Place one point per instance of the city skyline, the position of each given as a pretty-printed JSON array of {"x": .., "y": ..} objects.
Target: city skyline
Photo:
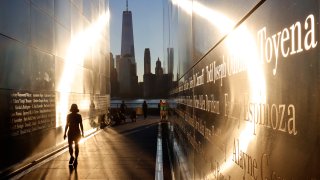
[{"x": 147, "y": 30}]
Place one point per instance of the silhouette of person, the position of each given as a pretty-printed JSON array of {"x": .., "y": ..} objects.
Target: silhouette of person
[
  {"x": 145, "y": 109},
  {"x": 74, "y": 132},
  {"x": 163, "y": 109},
  {"x": 123, "y": 107}
]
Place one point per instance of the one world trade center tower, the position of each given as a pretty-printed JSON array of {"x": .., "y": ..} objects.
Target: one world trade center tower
[
  {"x": 127, "y": 43},
  {"x": 128, "y": 79}
]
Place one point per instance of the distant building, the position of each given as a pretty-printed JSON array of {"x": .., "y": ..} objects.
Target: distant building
[
  {"x": 113, "y": 78},
  {"x": 147, "y": 61},
  {"x": 118, "y": 63},
  {"x": 170, "y": 60},
  {"x": 127, "y": 70},
  {"x": 127, "y": 43},
  {"x": 148, "y": 85},
  {"x": 127, "y": 77},
  {"x": 140, "y": 89},
  {"x": 157, "y": 85},
  {"x": 133, "y": 80},
  {"x": 158, "y": 69},
  {"x": 111, "y": 61}
]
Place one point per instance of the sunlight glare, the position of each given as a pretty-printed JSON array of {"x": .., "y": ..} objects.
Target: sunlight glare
[
  {"x": 78, "y": 49},
  {"x": 240, "y": 43}
]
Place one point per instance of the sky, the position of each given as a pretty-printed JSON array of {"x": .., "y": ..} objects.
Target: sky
[{"x": 147, "y": 29}]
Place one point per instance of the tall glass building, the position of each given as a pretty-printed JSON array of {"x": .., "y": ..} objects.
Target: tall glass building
[
  {"x": 53, "y": 53},
  {"x": 128, "y": 79},
  {"x": 127, "y": 41},
  {"x": 248, "y": 96}
]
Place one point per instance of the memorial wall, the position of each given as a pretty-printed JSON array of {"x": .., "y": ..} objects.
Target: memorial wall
[
  {"x": 52, "y": 54},
  {"x": 248, "y": 97}
]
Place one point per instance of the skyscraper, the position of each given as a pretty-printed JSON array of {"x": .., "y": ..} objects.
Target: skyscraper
[
  {"x": 118, "y": 57},
  {"x": 127, "y": 43},
  {"x": 113, "y": 77},
  {"x": 170, "y": 60},
  {"x": 128, "y": 79},
  {"x": 158, "y": 69},
  {"x": 147, "y": 59},
  {"x": 111, "y": 61}
]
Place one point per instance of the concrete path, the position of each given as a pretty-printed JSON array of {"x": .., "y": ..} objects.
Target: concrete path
[{"x": 126, "y": 151}]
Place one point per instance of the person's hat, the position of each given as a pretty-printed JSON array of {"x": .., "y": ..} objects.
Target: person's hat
[{"x": 74, "y": 108}]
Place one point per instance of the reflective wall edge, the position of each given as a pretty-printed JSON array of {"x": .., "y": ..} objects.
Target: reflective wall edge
[
  {"x": 248, "y": 97},
  {"x": 52, "y": 54}
]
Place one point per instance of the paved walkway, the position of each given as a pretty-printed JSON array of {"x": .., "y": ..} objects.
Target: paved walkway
[{"x": 126, "y": 151}]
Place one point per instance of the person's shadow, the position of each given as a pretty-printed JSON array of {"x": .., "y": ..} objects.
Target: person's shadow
[{"x": 73, "y": 171}]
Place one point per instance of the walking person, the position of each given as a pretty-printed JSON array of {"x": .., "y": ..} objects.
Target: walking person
[
  {"x": 145, "y": 109},
  {"x": 74, "y": 127},
  {"x": 163, "y": 110}
]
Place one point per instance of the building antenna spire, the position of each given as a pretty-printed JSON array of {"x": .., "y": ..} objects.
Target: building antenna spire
[{"x": 127, "y": 5}]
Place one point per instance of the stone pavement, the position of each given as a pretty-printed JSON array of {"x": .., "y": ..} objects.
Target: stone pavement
[{"x": 127, "y": 151}]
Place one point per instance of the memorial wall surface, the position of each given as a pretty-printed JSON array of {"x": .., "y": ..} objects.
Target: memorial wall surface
[
  {"x": 52, "y": 54},
  {"x": 248, "y": 97}
]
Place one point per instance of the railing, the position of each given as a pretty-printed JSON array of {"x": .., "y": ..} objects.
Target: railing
[
  {"x": 133, "y": 105},
  {"x": 153, "y": 105}
]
